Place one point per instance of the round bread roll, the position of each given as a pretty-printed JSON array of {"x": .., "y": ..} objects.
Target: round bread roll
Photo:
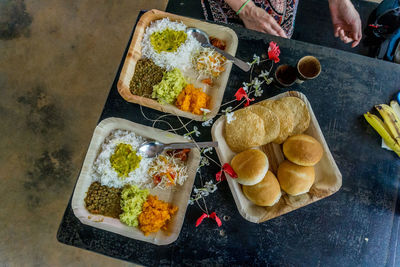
[
  {"x": 265, "y": 193},
  {"x": 301, "y": 115},
  {"x": 294, "y": 179},
  {"x": 303, "y": 150},
  {"x": 250, "y": 166},
  {"x": 285, "y": 116},
  {"x": 271, "y": 122}
]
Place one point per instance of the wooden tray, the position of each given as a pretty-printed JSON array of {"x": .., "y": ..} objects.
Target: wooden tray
[
  {"x": 179, "y": 196},
  {"x": 216, "y": 92},
  {"x": 328, "y": 178}
]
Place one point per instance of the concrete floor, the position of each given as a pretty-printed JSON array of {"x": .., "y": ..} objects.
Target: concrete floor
[{"x": 57, "y": 62}]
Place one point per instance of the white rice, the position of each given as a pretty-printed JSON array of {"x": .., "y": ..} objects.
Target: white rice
[
  {"x": 182, "y": 58},
  {"x": 104, "y": 173}
]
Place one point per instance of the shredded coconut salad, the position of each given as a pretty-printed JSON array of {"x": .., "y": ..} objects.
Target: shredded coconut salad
[{"x": 167, "y": 171}]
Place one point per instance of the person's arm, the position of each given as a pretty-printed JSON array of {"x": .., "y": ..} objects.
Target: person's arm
[
  {"x": 346, "y": 21},
  {"x": 256, "y": 18}
]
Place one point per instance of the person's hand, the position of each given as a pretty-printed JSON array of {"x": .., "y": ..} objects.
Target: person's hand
[
  {"x": 346, "y": 21},
  {"x": 258, "y": 19}
]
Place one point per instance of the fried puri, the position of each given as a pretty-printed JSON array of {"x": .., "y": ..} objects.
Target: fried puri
[
  {"x": 285, "y": 116},
  {"x": 271, "y": 122},
  {"x": 245, "y": 131},
  {"x": 300, "y": 112}
]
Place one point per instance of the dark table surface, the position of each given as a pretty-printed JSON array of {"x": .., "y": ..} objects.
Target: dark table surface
[{"x": 359, "y": 225}]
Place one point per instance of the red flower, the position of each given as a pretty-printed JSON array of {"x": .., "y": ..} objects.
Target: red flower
[
  {"x": 273, "y": 52},
  {"x": 229, "y": 170},
  {"x": 242, "y": 93},
  {"x": 220, "y": 176},
  {"x": 212, "y": 216},
  {"x": 226, "y": 168}
]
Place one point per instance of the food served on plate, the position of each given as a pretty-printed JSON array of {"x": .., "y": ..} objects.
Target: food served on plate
[
  {"x": 168, "y": 169},
  {"x": 183, "y": 49},
  {"x": 284, "y": 115},
  {"x": 147, "y": 74},
  {"x": 155, "y": 215},
  {"x": 265, "y": 193},
  {"x": 209, "y": 63},
  {"x": 103, "y": 170},
  {"x": 193, "y": 99},
  {"x": 121, "y": 179},
  {"x": 295, "y": 179},
  {"x": 250, "y": 166},
  {"x": 132, "y": 199},
  {"x": 118, "y": 163},
  {"x": 271, "y": 122},
  {"x": 303, "y": 150},
  {"x": 169, "y": 88},
  {"x": 245, "y": 131},
  {"x": 221, "y": 44},
  {"x": 103, "y": 200},
  {"x": 279, "y": 119},
  {"x": 171, "y": 61},
  {"x": 167, "y": 40},
  {"x": 301, "y": 115}
]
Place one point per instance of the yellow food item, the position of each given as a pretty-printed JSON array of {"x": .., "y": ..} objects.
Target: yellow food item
[
  {"x": 192, "y": 99},
  {"x": 167, "y": 40},
  {"x": 124, "y": 160},
  {"x": 155, "y": 215}
]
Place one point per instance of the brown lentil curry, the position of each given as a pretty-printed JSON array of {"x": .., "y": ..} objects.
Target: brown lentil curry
[
  {"x": 147, "y": 74},
  {"x": 103, "y": 200}
]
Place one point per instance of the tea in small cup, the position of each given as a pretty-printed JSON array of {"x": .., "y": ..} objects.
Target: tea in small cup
[
  {"x": 285, "y": 75},
  {"x": 308, "y": 68}
]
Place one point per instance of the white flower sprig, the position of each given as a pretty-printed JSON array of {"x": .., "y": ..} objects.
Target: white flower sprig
[
  {"x": 256, "y": 60},
  {"x": 207, "y": 123},
  {"x": 205, "y": 112},
  {"x": 189, "y": 134},
  {"x": 209, "y": 188},
  {"x": 230, "y": 117}
]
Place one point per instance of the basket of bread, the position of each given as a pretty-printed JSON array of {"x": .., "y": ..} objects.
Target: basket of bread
[{"x": 279, "y": 154}]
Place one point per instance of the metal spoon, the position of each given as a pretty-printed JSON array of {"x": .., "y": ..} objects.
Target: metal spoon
[
  {"x": 153, "y": 148},
  {"x": 203, "y": 39}
]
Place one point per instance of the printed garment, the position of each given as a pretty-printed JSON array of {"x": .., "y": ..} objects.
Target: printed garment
[{"x": 284, "y": 12}]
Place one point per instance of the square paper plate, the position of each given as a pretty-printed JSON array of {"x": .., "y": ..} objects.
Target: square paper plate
[
  {"x": 179, "y": 196},
  {"x": 216, "y": 92},
  {"x": 328, "y": 178}
]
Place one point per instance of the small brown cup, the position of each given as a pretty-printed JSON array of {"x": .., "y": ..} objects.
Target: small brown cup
[
  {"x": 308, "y": 68},
  {"x": 285, "y": 76}
]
